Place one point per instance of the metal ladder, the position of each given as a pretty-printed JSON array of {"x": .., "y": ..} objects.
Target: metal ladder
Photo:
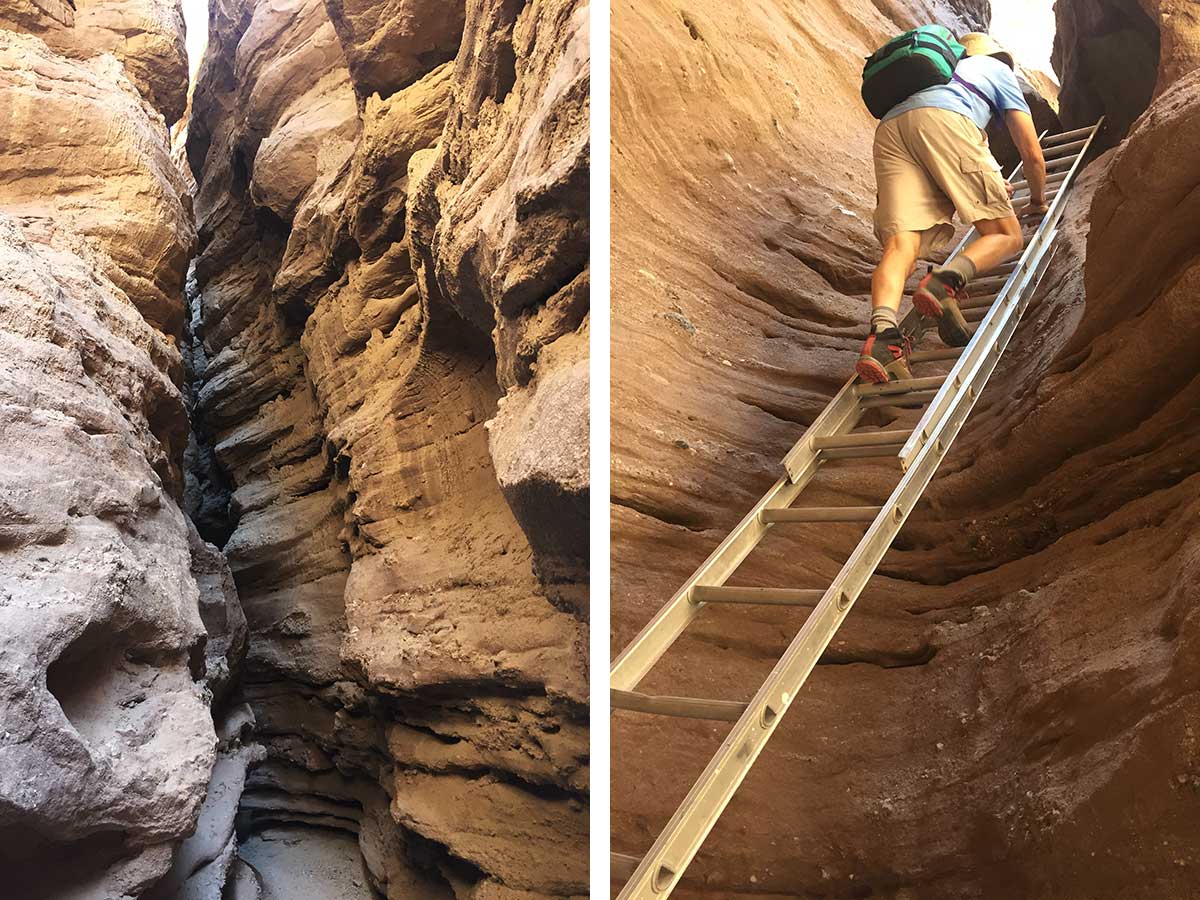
[{"x": 950, "y": 399}]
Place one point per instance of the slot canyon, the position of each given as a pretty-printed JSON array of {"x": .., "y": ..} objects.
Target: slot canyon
[
  {"x": 293, "y": 450},
  {"x": 1010, "y": 709}
]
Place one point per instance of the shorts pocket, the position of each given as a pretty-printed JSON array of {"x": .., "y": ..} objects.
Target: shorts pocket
[{"x": 985, "y": 171}]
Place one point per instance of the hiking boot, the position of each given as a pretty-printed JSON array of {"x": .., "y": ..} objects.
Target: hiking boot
[
  {"x": 937, "y": 297},
  {"x": 884, "y": 357}
]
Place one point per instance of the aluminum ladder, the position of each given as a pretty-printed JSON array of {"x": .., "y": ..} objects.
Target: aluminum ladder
[{"x": 949, "y": 400}]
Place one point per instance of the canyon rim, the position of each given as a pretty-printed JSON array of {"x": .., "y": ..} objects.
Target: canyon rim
[
  {"x": 293, "y": 460},
  {"x": 1010, "y": 709}
]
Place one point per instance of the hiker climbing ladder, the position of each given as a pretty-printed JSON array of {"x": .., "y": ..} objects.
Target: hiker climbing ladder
[{"x": 949, "y": 400}]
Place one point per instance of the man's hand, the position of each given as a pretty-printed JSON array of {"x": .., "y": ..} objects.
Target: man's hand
[{"x": 1011, "y": 190}]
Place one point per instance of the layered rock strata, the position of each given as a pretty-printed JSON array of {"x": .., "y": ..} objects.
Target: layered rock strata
[
  {"x": 389, "y": 331},
  {"x": 1010, "y": 708}
]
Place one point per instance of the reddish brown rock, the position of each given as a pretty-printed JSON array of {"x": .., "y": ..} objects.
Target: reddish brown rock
[{"x": 1009, "y": 710}]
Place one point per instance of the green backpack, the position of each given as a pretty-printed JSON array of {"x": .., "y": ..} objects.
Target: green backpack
[{"x": 909, "y": 63}]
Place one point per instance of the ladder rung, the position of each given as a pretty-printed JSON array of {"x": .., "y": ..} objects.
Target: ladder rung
[
  {"x": 683, "y": 707},
  {"x": 1062, "y": 137},
  {"x": 990, "y": 281},
  {"x": 909, "y": 401},
  {"x": 1024, "y": 195},
  {"x": 1057, "y": 178},
  {"x": 901, "y": 387},
  {"x": 976, "y": 314},
  {"x": 981, "y": 302},
  {"x": 1060, "y": 149},
  {"x": 665, "y": 863},
  {"x": 1055, "y": 165},
  {"x": 865, "y": 439},
  {"x": 821, "y": 513},
  {"x": 863, "y": 452},
  {"x": 936, "y": 355},
  {"x": 764, "y": 596}
]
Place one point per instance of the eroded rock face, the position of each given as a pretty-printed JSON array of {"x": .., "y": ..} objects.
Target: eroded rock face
[
  {"x": 120, "y": 625},
  {"x": 390, "y": 45},
  {"x": 390, "y": 203},
  {"x": 108, "y": 739},
  {"x": 500, "y": 233},
  {"x": 1113, "y": 56},
  {"x": 64, "y": 110},
  {"x": 1009, "y": 710},
  {"x": 146, "y": 37}
]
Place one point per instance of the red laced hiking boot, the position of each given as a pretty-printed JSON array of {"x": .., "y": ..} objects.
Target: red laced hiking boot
[
  {"x": 884, "y": 357},
  {"x": 937, "y": 297}
]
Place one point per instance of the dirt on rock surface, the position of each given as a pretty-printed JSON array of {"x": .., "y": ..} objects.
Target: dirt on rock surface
[{"x": 1010, "y": 709}]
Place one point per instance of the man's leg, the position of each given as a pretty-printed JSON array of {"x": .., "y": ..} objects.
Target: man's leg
[
  {"x": 998, "y": 240},
  {"x": 937, "y": 295},
  {"x": 899, "y": 260},
  {"x": 884, "y": 355}
]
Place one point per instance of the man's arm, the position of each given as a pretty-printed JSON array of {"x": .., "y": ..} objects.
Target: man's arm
[{"x": 1024, "y": 135}]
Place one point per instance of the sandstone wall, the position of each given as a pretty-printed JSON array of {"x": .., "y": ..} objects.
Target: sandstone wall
[
  {"x": 1009, "y": 710},
  {"x": 145, "y": 36},
  {"x": 388, "y": 340},
  {"x": 119, "y": 627}
]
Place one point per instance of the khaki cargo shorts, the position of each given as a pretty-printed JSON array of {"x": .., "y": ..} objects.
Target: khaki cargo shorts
[{"x": 929, "y": 163}]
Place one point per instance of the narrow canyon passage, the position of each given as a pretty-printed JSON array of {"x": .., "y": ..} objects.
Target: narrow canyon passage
[
  {"x": 415, "y": 656},
  {"x": 1010, "y": 709},
  {"x": 303, "y": 610}
]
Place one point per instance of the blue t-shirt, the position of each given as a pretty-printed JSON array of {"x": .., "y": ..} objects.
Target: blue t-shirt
[{"x": 990, "y": 76}]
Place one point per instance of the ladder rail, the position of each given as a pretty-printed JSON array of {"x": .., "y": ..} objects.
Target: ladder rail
[
  {"x": 988, "y": 332},
  {"x": 662, "y": 867},
  {"x": 640, "y": 655}
]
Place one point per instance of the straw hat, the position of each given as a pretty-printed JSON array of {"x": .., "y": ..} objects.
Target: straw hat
[{"x": 980, "y": 44}]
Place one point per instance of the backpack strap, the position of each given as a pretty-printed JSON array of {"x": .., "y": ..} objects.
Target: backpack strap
[{"x": 978, "y": 93}]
